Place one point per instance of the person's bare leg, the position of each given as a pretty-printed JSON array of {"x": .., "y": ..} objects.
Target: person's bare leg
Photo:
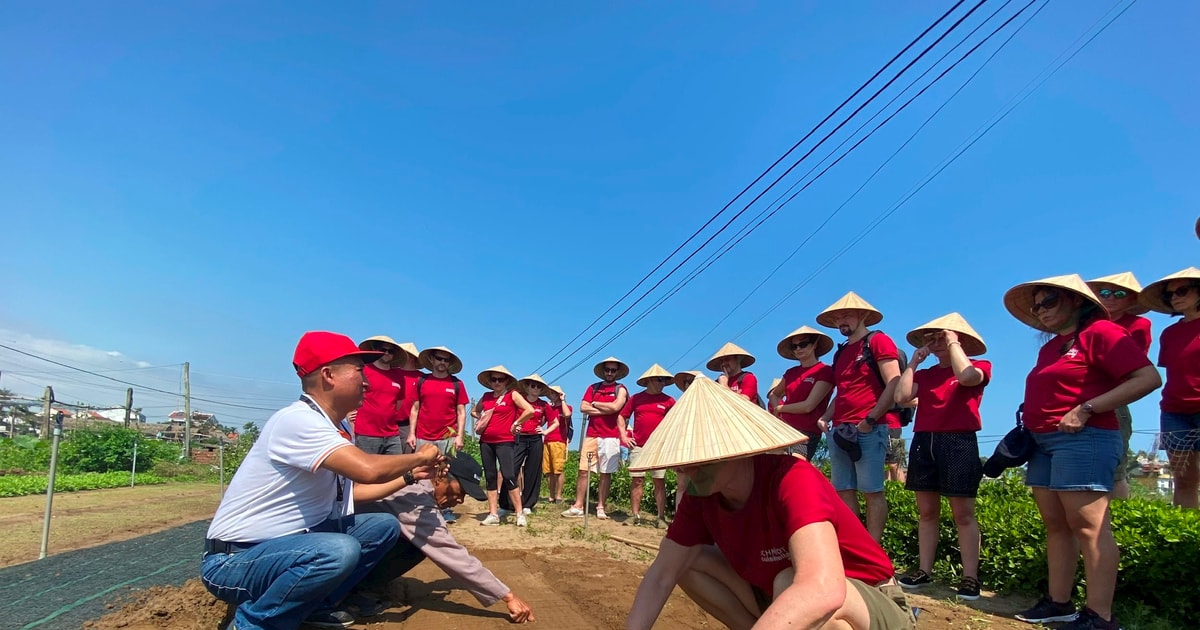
[
  {"x": 581, "y": 488},
  {"x": 1088, "y": 516},
  {"x": 963, "y": 509},
  {"x": 493, "y": 501},
  {"x": 1062, "y": 550},
  {"x": 850, "y": 498},
  {"x": 514, "y": 496},
  {"x": 681, "y": 482},
  {"x": 877, "y": 509},
  {"x": 1185, "y": 466},
  {"x": 635, "y": 495},
  {"x": 605, "y": 483},
  {"x": 1121, "y": 489},
  {"x": 929, "y": 513},
  {"x": 660, "y": 497}
]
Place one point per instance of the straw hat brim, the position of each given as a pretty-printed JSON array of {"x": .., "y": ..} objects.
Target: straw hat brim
[
  {"x": 366, "y": 343},
  {"x": 410, "y": 349},
  {"x": 972, "y": 343},
  {"x": 533, "y": 378},
  {"x": 655, "y": 371},
  {"x": 1152, "y": 296},
  {"x": 426, "y": 359},
  {"x": 681, "y": 376},
  {"x": 1019, "y": 299},
  {"x": 1125, "y": 281},
  {"x": 729, "y": 350},
  {"x": 850, "y": 302},
  {"x": 499, "y": 369},
  {"x": 622, "y": 372},
  {"x": 824, "y": 342}
]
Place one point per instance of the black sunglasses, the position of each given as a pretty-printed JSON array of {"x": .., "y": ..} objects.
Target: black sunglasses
[
  {"x": 797, "y": 345},
  {"x": 1050, "y": 302},
  {"x": 1109, "y": 294},
  {"x": 497, "y": 379},
  {"x": 666, "y": 379},
  {"x": 610, "y": 370},
  {"x": 1178, "y": 292},
  {"x": 532, "y": 384},
  {"x": 386, "y": 348},
  {"x": 442, "y": 359}
]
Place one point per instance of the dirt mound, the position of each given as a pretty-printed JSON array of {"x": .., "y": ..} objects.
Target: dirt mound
[{"x": 189, "y": 607}]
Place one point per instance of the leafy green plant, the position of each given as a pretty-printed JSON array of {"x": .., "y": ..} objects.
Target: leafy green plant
[
  {"x": 105, "y": 449},
  {"x": 21, "y": 485},
  {"x": 24, "y": 453}
]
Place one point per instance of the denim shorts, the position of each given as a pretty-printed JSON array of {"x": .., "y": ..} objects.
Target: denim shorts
[
  {"x": 1180, "y": 431},
  {"x": 1075, "y": 461},
  {"x": 865, "y": 475}
]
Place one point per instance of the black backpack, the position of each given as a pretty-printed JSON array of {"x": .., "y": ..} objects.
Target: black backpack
[
  {"x": 757, "y": 399},
  {"x": 906, "y": 413},
  {"x": 457, "y": 387}
]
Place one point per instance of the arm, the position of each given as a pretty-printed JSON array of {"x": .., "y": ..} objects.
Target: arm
[
  {"x": 968, "y": 375},
  {"x": 906, "y": 389},
  {"x": 368, "y": 492},
  {"x": 361, "y": 467},
  {"x": 823, "y": 423},
  {"x": 890, "y": 370},
  {"x": 412, "y": 424},
  {"x": 662, "y": 576},
  {"x": 623, "y": 432},
  {"x": 526, "y": 412},
  {"x": 819, "y": 391},
  {"x": 819, "y": 589},
  {"x": 1141, "y": 382},
  {"x": 462, "y": 424},
  {"x": 477, "y": 410},
  {"x": 607, "y": 408}
]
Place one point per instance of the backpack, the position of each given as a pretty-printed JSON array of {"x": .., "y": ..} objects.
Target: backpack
[
  {"x": 906, "y": 413},
  {"x": 567, "y": 428},
  {"x": 757, "y": 399},
  {"x": 457, "y": 387}
]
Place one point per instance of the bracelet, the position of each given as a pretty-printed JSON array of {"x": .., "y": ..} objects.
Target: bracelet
[{"x": 952, "y": 343}]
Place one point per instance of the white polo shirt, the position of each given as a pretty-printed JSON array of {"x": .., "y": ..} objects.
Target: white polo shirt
[{"x": 280, "y": 488}]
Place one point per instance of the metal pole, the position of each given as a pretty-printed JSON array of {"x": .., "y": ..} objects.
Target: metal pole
[
  {"x": 221, "y": 463},
  {"x": 187, "y": 414},
  {"x": 58, "y": 420},
  {"x": 133, "y": 470},
  {"x": 587, "y": 489}
]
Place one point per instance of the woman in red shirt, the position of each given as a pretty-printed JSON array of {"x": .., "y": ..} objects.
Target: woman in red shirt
[
  {"x": 944, "y": 460},
  {"x": 497, "y": 416},
  {"x": 1179, "y": 354},
  {"x": 1119, "y": 295},
  {"x": 731, "y": 361},
  {"x": 1088, "y": 367},
  {"x": 803, "y": 393},
  {"x": 527, "y": 453}
]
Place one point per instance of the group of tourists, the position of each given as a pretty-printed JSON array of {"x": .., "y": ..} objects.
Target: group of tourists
[{"x": 325, "y": 509}]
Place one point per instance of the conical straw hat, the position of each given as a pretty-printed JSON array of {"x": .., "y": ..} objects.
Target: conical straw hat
[
  {"x": 850, "y": 301},
  {"x": 559, "y": 390},
  {"x": 774, "y": 383},
  {"x": 622, "y": 371},
  {"x": 498, "y": 369},
  {"x": 1152, "y": 297},
  {"x": 368, "y": 343},
  {"x": 536, "y": 378},
  {"x": 729, "y": 350},
  {"x": 655, "y": 371},
  {"x": 681, "y": 376},
  {"x": 784, "y": 347},
  {"x": 426, "y": 359},
  {"x": 411, "y": 349},
  {"x": 1126, "y": 281},
  {"x": 972, "y": 343},
  {"x": 710, "y": 423},
  {"x": 1019, "y": 299}
]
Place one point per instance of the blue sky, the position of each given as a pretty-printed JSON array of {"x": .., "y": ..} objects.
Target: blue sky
[{"x": 204, "y": 182}]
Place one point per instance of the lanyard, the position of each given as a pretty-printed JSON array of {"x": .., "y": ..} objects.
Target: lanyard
[{"x": 341, "y": 483}]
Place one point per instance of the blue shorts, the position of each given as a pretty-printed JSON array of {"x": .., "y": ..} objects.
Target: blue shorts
[
  {"x": 865, "y": 475},
  {"x": 1075, "y": 461},
  {"x": 1180, "y": 431}
]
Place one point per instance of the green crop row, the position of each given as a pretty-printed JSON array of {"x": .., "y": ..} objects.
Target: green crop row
[{"x": 21, "y": 485}]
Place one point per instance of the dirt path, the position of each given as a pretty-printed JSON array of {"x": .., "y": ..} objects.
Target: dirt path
[
  {"x": 86, "y": 519},
  {"x": 573, "y": 578}
]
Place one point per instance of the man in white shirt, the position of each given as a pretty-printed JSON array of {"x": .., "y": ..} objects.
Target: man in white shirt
[{"x": 285, "y": 545}]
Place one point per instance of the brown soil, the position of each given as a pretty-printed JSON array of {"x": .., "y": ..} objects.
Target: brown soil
[{"x": 572, "y": 577}]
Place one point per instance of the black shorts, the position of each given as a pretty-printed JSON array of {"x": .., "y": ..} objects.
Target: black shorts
[{"x": 946, "y": 463}]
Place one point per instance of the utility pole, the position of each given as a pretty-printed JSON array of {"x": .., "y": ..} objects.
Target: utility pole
[
  {"x": 47, "y": 400},
  {"x": 187, "y": 414},
  {"x": 128, "y": 405}
]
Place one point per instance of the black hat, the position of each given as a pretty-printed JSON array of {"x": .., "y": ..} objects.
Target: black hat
[
  {"x": 467, "y": 471},
  {"x": 846, "y": 437},
  {"x": 1014, "y": 450}
]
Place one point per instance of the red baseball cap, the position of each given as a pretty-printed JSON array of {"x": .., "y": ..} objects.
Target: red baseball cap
[{"x": 318, "y": 347}]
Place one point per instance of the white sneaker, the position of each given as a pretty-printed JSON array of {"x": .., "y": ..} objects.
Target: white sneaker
[
  {"x": 491, "y": 519},
  {"x": 527, "y": 511},
  {"x": 572, "y": 512},
  {"x": 521, "y": 520},
  {"x": 600, "y": 514}
]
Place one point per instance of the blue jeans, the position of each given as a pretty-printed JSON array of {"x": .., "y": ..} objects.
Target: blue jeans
[
  {"x": 1180, "y": 431},
  {"x": 394, "y": 445},
  {"x": 1083, "y": 461},
  {"x": 867, "y": 474},
  {"x": 278, "y": 583}
]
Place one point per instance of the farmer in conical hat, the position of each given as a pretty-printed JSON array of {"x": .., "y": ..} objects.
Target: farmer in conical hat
[
  {"x": 646, "y": 409},
  {"x": 1119, "y": 295},
  {"x": 1088, "y": 368},
  {"x": 731, "y": 361},
  {"x": 865, "y": 371},
  {"x": 1179, "y": 354},
  {"x": 497, "y": 414},
  {"x": 945, "y": 453},
  {"x": 805, "y": 390},
  {"x": 761, "y": 535},
  {"x": 602, "y": 402}
]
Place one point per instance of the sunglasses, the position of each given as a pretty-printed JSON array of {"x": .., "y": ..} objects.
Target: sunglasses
[
  {"x": 533, "y": 385},
  {"x": 1050, "y": 302},
  {"x": 1108, "y": 294},
  {"x": 497, "y": 379},
  {"x": 666, "y": 380},
  {"x": 442, "y": 359},
  {"x": 385, "y": 348},
  {"x": 611, "y": 370},
  {"x": 1178, "y": 292},
  {"x": 799, "y": 345}
]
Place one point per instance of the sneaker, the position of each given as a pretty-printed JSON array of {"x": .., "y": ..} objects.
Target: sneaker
[
  {"x": 572, "y": 512},
  {"x": 1089, "y": 620},
  {"x": 491, "y": 519},
  {"x": 521, "y": 522},
  {"x": 526, "y": 511},
  {"x": 1046, "y": 611},
  {"x": 916, "y": 579},
  {"x": 600, "y": 514},
  {"x": 331, "y": 619},
  {"x": 660, "y": 523},
  {"x": 449, "y": 516},
  {"x": 366, "y": 605},
  {"x": 968, "y": 589}
]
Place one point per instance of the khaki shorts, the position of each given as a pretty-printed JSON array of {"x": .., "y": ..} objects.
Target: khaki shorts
[
  {"x": 897, "y": 451},
  {"x": 1125, "y": 422},
  {"x": 887, "y": 605},
  {"x": 661, "y": 473},
  {"x": 554, "y": 458},
  {"x": 606, "y": 454}
]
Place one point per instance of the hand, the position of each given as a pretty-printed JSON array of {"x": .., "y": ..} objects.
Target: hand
[
  {"x": 426, "y": 472},
  {"x": 458, "y": 443},
  {"x": 628, "y": 442},
  {"x": 518, "y": 610},
  {"x": 919, "y": 355},
  {"x": 823, "y": 426},
  {"x": 352, "y": 415},
  {"x": 864, "y": 426},
  {"x": 412, "y": 440},
  {"x": 428, "y": 454},
  {"x": 949, "y": 336},
  {"x": 1074, "y": 421},
  {"x": 723, "y": 379}
]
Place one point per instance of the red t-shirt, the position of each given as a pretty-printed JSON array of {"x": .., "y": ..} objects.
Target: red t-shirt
[
  {"x": 746, "y": 384},
  {"x": 439, "y": 407},
  {"x": 410, "y": 392},
  {"x": 603, "y": 426},
  {"x": 647, "y": 412},
  {"x": 540, "y": 417},
  {"x": 945, "y": 405},
  {"x": 858, "y": 389},
  {"x": 1139, "y": 329},
  {"x": 378, "y": 416},
  {"x": 788, "y": 493},
  {"x": 559, "y": 434},
  {"x": 1179, "y": 354},
  {"x": 1061, "y": 381},
  {"x": 798, "y": 383},
  {"x": 504, "y": 413}
]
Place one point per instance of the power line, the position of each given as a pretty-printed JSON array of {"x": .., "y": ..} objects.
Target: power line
[{"x": 709, "y": 222}]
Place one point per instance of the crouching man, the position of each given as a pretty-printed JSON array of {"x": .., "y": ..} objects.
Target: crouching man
[
  {"x": 423, "y": 534},
  {"x": 760, "y": 539}
]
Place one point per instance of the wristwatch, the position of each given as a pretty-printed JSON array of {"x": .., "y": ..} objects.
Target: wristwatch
[
  {"x": 1087, "y": 408},
  {"x": 409, "y": 479},
  {"x": 871, "y": 421}
]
